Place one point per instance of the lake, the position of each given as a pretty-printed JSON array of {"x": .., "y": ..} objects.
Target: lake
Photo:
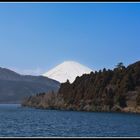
[{"x": 17, "y": 121}]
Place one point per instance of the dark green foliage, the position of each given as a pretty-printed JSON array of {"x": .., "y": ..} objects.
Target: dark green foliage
[
  {"x": 138, "y": 96},
  {"x": 120, "y": 66},
  {"x": 106, "y": 87},
  {"x": 103, "y": 90},
  {"x": 122, "y": 101}
]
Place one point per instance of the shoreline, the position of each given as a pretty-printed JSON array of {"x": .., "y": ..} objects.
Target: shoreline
[{"x": 123, "y": 111}]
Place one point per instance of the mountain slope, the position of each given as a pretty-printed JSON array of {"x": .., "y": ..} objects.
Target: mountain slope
[
  {"x": 105, "y": 90},
  {"x": 14, "y": 87},
  {"x": 67, "y": 70}
]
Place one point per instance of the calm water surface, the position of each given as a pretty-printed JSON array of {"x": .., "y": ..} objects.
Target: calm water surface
[{"x": 16, "y": 121}]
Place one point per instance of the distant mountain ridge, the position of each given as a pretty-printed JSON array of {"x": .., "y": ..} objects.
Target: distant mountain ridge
[
  {"x": 68, "y": 70},
  {"x": 14, "y": 87}
]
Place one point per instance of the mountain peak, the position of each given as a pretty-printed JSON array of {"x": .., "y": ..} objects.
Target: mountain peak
[
  {"x": 70, "y": 62},
  {"x": 68, "y": 70}
]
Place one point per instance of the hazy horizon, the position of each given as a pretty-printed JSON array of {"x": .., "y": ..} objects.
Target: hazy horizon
[{"x": 36, "y": 37}]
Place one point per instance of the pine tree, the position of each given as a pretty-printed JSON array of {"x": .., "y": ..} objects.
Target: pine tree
[{"x": 120, "y": 66}]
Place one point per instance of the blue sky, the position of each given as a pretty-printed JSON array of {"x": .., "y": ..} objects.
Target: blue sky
[{"x": 35, "y": 37}]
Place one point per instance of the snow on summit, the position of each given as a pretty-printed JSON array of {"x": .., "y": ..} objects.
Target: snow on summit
[{"x": 67, "y": 70}]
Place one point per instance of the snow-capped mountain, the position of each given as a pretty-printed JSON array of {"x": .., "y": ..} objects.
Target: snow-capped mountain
[{"x": 67, "y": 70}]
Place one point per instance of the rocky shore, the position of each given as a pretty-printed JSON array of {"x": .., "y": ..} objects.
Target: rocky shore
[{"x": 52, "y": 101}]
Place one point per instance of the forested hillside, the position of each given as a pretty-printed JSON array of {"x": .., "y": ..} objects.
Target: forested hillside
[{"x": 105, "y": 90}]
